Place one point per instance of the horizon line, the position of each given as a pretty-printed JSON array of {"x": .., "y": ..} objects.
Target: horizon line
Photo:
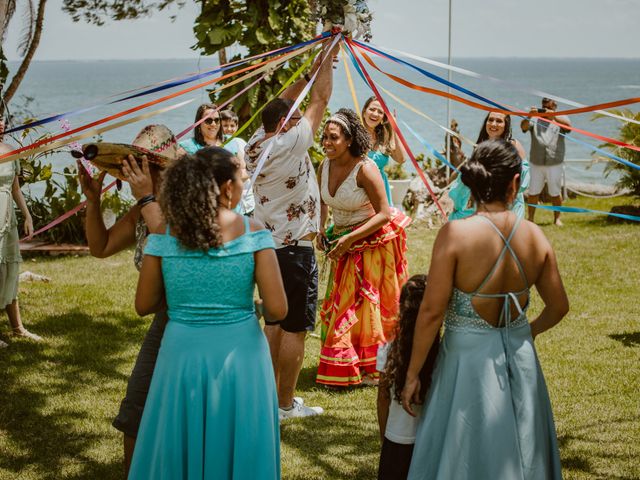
[{"x": 17, "y": 60}]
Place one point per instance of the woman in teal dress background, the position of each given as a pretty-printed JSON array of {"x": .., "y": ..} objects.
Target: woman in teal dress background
[
  {"x": 495, "y": 126},
  {"x": 9, "y": 242},
  {"x": 212, "y": 408},
  {"x": 210, "y": 133},
  {"x": 487, "y": 415},
  {"x": 385, "y": 142}
]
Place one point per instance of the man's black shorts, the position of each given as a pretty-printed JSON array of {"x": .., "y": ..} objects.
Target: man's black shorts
[{"x": 300, "y": 276}]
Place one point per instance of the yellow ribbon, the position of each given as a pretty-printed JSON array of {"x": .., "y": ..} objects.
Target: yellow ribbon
[{"x": 350, "y": 81}]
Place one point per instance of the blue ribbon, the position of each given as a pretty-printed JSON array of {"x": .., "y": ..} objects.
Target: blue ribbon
[
  {"x": 356, "y": 65},
  {"x": 165, "y": 86},
  {"x": 438, "y": 155},
  {"x": 586, "y": 210},
  {"x": 491, "y": 102},
  {"x": 435, "y": 77}
]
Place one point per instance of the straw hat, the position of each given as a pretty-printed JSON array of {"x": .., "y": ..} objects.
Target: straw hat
[{"x": 155, "y": 141}]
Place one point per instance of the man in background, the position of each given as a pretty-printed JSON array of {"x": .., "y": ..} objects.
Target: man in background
[{"x": 546, "y": 158}]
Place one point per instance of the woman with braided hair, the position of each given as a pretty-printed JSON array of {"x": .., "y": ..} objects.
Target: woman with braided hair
[
  {"x": 212, "y": 408},
  {"x": 366, "y": 246}
]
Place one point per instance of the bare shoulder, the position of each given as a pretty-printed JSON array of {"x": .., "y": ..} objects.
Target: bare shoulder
[
  {"x": 452, "y": 232},
  {"x": 369, "y": 169},
  {"x": 256, "y": 225},
  {"x": 519, "y": 148}
]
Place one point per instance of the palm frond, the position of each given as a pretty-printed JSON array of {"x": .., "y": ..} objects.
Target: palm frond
[
  {"x": 28, "y": 29},
  {"x": 10, "y": 9}
]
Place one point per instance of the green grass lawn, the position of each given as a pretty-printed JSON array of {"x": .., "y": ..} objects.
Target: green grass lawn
[{"x": 58, "y": 398}]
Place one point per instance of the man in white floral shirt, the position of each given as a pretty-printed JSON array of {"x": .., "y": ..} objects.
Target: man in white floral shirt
[{"x": 288, "y": 203}]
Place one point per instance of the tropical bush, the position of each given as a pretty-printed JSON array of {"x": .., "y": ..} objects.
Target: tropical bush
[{"x": 629, "y": 133}]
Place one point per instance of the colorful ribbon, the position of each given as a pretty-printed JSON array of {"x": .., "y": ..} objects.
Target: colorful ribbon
[
  {"x": 360, "y": 68},
  {"x": 424, "y": 115},
  {"x": 539, "y": 93},
  {"x": 586, "y": 210},
  {"x": 521, "y": 114},
  {"x": 98, "y": 131},
  {"x": 78, "y": 207},
  {"x": 289, "y": 81},
  {"x": 352, "y": 88},
  {"x": 438, "y": 155},
  {"x": 65, "y": 215},
  {"x": 265, "y": 153},
  {"x": 164, "y": 85},
  {"x": 15, "y": 153}
]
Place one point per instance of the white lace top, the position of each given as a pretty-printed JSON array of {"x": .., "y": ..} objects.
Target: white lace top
[{"x": 350, "y": 204}]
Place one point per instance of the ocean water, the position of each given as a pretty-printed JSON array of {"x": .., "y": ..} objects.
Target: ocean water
[{"x": 59, "y": 86}]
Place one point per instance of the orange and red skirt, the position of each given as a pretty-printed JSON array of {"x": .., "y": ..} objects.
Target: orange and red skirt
[{"x": 359, "y": 311}]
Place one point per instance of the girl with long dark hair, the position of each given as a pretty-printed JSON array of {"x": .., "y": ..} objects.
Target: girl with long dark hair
[{"x": 397, "y": 427}]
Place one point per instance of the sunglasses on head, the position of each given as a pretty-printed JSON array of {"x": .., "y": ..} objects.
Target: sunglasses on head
[{"x": 210, "y": 120}]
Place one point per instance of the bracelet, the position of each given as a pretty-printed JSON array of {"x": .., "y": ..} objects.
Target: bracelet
[
  {"x": 146, "y": 200},
  {"x": 307, "y": 77}
]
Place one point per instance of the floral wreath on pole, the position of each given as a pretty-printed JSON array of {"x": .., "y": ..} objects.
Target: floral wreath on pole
[{"x": 353, "y": 17}]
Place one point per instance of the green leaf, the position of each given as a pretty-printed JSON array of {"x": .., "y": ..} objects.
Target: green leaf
[
  {"x": 216, "y": 36},
  {"x": 262, "y": 36}
]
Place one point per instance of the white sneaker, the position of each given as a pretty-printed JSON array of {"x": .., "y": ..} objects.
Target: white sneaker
[
  {"x": 3, "y": 344},
  {"x": 299, "y": 410}
]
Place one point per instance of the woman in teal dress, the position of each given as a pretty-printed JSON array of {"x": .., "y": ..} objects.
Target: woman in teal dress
[
  {"x": 496, "y": 126},
  {"x": 487, "y": 415},
  {"x": 210, "y": 133},
  {"x": 9, "y": 247},
  {"x": 384, "y": 140},
  {"x": 212, "y": 408}
]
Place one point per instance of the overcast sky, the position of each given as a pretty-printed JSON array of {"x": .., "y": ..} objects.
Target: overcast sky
[{"x": 481, "y": 28}]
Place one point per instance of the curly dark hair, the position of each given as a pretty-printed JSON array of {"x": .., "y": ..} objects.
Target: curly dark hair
[
  {"x": 490, "y": 170},
  {"x": 360, "y": 140},
  {"x": 189, "y": 195},
  {"x": 400, "y": 351},
  {"x": 197, "y": 132},
  {"x": 383, "y": 132},
  {"x": 506, "y": 135}
]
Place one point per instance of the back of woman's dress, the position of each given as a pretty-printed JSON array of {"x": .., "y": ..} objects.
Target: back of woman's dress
[
  {"x": 487, "y": 415},
  {"x": 212, "y": 409}
]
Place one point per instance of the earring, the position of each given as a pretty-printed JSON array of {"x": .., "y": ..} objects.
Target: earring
[{"x": 229, "y": 201}]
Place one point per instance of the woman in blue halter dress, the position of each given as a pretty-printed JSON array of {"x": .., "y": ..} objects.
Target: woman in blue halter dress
[
  {"x": 487, "y": 415},
  {"x": 385, "y": 143},
  {"x": 212, "y": 408}
]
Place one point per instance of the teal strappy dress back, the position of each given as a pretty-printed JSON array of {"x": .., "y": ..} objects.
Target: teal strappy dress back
[{"x": 487, "y": 415}]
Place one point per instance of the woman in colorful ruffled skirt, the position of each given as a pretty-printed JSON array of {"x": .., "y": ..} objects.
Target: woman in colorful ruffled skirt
[{"x": 366, "y": 247}]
